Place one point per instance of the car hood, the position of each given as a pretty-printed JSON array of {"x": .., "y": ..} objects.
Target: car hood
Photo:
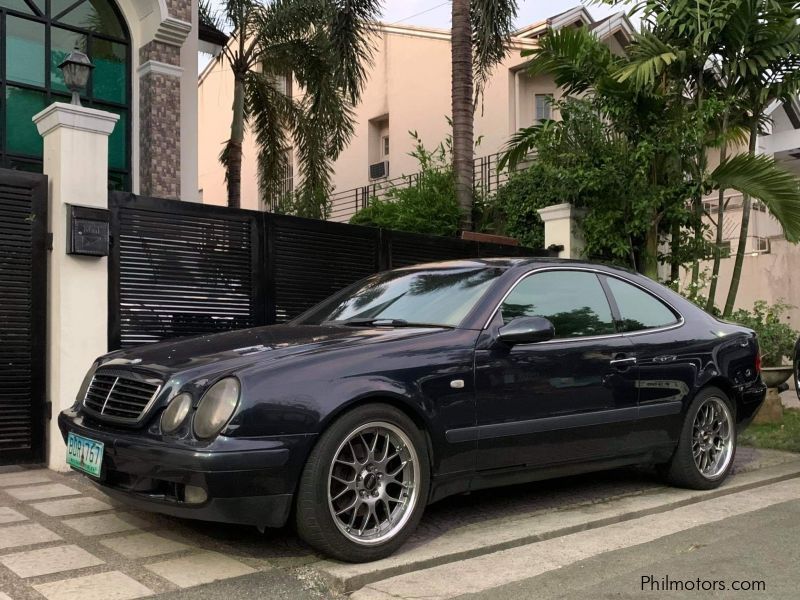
[{"x": 238, "y": 349}]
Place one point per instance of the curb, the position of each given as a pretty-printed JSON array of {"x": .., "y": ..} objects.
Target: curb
[{"x": 469, "y": 543}]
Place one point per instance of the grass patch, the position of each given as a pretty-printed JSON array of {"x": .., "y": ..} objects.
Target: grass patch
[{"x": 778, "y": 436}]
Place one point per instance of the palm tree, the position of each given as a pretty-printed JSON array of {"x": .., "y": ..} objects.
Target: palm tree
[
  {"x": 763, "y": 40},
  {"x": 651, "y": 83},
  {"x": 751, "y": 48},
  {"x": 583, "y": 67},
  {"x": 326, "y": 47},
  {"x": 479, "y": 41}
]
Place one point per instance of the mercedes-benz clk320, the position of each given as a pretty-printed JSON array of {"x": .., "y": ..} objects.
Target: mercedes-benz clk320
[{"x": 413, "y": 385}]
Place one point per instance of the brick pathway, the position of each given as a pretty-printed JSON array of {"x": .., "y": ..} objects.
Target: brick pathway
[{"x": 62, "y": 539}]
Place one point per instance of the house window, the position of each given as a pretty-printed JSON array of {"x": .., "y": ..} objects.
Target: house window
[
  {"x": 542, "y": 106},
  {"x": 37, "y": 37},
  {"x": 385, "y": 146},
  {"x": 283, "y": 83}
]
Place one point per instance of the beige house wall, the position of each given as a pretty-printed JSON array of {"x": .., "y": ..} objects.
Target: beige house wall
[{"x": 409, "y": 83}]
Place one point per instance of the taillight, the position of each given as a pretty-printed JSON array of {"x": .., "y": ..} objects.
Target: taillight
[{"x": 758, "y": 362}]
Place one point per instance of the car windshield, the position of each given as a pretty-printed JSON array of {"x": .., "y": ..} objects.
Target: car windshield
[{"x": 437, "y": 297}]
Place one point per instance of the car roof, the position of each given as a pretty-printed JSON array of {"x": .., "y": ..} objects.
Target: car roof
[{"x": 508, "y": 263}]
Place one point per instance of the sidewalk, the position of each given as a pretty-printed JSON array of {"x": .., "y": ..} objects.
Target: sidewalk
[{"x": 61, "y": 538}]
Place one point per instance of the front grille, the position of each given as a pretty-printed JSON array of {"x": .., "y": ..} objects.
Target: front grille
[{"x": 120, "y": 397}]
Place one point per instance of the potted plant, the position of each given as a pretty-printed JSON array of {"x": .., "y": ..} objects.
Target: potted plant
[{"x": 776, "y": 340}]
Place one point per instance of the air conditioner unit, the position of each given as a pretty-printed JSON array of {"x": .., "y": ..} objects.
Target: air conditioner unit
[{"x": 379, "y": 170}]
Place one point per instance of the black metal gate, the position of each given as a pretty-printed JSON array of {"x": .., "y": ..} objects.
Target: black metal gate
[
  {"x": 23, "y": 309},
  {"x": 180, "y": 268}
]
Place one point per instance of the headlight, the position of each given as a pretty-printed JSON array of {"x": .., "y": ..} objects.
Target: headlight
[
  {"x": 176, "y": 412},
  {"x": 86, "y": 381},
  {"x": 216, "y": 408}
]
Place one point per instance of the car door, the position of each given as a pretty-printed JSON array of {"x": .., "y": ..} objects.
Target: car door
[
  {"x": 667, "y": 359},
  {"x": 572, "y": 398}
]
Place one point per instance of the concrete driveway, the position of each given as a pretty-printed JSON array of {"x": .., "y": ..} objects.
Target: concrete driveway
[{"x": 62, "y": 539}]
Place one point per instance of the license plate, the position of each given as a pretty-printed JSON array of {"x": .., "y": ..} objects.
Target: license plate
[{"x": 84, "y": 454}]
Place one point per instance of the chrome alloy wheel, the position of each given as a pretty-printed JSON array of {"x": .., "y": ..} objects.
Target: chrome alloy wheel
[
  {"x": 372, "y": 483},
  {"x": 712, "y": 437}
]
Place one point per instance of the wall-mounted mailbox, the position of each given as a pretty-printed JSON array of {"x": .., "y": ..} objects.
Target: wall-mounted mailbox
[{"x": 87, "y": 231}]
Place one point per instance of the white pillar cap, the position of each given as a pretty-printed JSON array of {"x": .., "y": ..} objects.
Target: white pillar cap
[
  {"x": 560, "y": 211},
  {"x": 71, "y": 116}
]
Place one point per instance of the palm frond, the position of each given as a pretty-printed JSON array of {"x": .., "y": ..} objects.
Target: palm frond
[
  {"x": 492, "y": 25},
  {"x": 272, "y": 115},
  {"x": 518, "y": 147},
  {"x": 649, "y": 58},
  {"x": 575, "y": 59},
  {"x": 762, "y": 178}
]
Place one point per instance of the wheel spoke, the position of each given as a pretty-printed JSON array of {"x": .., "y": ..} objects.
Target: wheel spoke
[
  {"x": 399, "y": 469},
  {"x": 351, "y": 506}
]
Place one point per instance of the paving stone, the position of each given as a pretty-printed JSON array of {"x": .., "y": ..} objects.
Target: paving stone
[
  {"x": 24, "y": 478},
  {"x": 200, "y": 568},
  {"x": 56, "y": 559},
  {"x": 25, "y": 535},
  {"x": 9, "y": 515},
  {"x": 143, "y": 545},
  {"x": 41, "y": 492},
  {"x": 106, "y": 523},
  {"x": 72, "y": 506},
  {"x": 105, "y": 586}
]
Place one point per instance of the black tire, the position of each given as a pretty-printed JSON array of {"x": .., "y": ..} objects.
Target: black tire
[
  {"x": 681, "y": 470},
  {"x": 314, "y": 518}
]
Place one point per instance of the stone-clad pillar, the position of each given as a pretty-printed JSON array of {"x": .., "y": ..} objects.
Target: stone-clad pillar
[
  {"x": 160, "y": 75},
  {"x": 160, "y": 120}
]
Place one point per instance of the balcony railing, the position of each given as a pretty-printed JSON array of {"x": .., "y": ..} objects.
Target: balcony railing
[{"x": 344, "y": 204}]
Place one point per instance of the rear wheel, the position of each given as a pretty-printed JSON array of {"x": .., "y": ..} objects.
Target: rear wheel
[
  {"x": 364, "y": 487},
  {"x": 707, "y": 445}
]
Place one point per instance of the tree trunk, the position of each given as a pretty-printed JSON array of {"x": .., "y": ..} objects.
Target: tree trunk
[
  {"x": 742, "y": 246},
  {"x": 675, "y": 247},
  {"x": 234, "y": 149},
  {"x": 650, "y": 262},
  {"x": 463, "y": 109},
  {"x": 712, "y": 289}
]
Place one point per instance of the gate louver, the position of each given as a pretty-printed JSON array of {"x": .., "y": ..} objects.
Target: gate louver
[
  {"x": 23, "y": 272},
  {"x": 315, "y": 259},
  {"x": 182, "y": 272},
  {"x": 179, "y": 268}
]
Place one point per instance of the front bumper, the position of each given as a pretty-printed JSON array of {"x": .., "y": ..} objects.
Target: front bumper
[{"x": 250, "y": 482}]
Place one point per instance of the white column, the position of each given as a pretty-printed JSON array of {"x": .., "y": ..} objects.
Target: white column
[
  {"x": 76, "y": 163},
  {"x": 562, "y": 228}
]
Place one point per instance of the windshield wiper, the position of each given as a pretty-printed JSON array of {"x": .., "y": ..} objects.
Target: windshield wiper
[{"x": 379, "y": 322}]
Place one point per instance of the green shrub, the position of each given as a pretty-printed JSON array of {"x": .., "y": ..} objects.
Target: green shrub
[
  {"x": 427, "y": 205},
  {"x": 776, "y": 339}
]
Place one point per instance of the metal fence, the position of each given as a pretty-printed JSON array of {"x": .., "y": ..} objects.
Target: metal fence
[
  {"x": 180, "y": 268},
  {"x": 488, "y": 179}
]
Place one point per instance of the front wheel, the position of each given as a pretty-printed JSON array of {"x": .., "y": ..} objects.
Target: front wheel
[
  {"x": 707, "y": 445},
  {"x": 365, "y": 485}
]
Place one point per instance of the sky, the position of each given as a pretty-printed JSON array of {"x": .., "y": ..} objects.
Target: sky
[{"x": 436, "y": 13}]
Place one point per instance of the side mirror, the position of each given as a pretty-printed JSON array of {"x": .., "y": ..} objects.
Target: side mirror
[{"x": 527, "y": 330}]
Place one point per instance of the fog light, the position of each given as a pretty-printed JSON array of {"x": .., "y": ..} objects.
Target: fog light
[{"x": 193, "y": 494}]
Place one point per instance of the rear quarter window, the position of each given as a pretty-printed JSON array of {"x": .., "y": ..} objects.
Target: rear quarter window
[{"x": 638, "y": 309}]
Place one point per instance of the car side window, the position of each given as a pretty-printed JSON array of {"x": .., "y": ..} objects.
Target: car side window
[
  {"x": 574, "y": 301},
  {"x": 638, "y": 309}
]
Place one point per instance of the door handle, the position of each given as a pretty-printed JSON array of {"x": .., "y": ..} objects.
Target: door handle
[{"x": 623, "y": 362}]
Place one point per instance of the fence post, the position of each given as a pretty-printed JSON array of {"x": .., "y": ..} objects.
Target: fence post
[
  {"x": 76, "y": 163},
  {"x": 562, "y": 228}
]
